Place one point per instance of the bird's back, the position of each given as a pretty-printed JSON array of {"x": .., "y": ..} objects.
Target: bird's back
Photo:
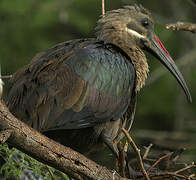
[{"x": 75, "y": 85}]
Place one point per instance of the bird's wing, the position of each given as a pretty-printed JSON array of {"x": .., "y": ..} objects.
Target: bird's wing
[{"x": 80, "y": 88}]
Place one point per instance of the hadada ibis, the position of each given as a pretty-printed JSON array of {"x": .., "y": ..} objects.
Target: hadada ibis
[{"x": 82, "y": 92}]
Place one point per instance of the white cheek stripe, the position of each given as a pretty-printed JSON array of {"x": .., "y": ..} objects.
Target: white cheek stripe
[{"x": 135, "y": 33}]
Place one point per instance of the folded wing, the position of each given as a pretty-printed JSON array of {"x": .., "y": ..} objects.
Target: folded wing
[{"x": 74, "y": 85}]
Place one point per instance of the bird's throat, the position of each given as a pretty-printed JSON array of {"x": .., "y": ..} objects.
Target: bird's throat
[
  {"x": 137, "y": 56},
  {"x": 139, "y": 60}
]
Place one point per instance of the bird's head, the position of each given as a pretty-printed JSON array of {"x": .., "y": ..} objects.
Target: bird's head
[{"x": 131, "y": 28}]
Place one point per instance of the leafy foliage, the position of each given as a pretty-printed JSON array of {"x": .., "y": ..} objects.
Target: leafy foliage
[{"x": 17, "y": 165}]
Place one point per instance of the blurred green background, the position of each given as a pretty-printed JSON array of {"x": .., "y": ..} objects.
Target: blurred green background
[{"x": 163, "y": 114}]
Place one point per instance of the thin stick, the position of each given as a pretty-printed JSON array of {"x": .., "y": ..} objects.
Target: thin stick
[
  {"x": 122, "y": 165},
  {"x": 6, "y": 77},
  {"x": 191, "y": 176},
  {"x": 182, "y": 26},
  {"x": 103, "y": 8},
  {"x": 147, "y": 151},
  {"x": 186, "y": 168},
  {"x": 139, "y": 158},
  {"x": 157, "y": 162},
  {"x": 168, "y": 174}
]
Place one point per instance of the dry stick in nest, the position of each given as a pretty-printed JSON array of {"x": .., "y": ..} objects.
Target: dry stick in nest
[
  {"x": 139, "y": 158},
  {"x": 182, "y": 26},
  {"x": 161, "y": 175},
  {"x": 186, "y": 168},
  {"x": 157, "y": 162},
  {"x": 158, "y": 175},
  {"x": 6, "y": 77},
  {"x": 121, "y": 162},
  {"x": 147, "y": 151},
  {"x": 166, "y": 174},
  {"x": 176, "y": 173}
]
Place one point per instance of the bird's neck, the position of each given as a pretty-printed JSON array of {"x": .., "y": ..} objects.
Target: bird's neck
[
  {"x": 136, "y": 55},
  {"x": 139, "y": 60}
]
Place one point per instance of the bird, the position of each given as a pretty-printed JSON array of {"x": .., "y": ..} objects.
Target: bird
[{"x": 82, "y": 92}]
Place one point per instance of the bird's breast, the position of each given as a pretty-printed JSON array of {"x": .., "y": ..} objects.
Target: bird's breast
[{"x": 104, "y": 69}]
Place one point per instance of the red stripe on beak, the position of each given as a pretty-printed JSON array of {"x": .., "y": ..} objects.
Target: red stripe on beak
[{"x": 162, "y": 46}]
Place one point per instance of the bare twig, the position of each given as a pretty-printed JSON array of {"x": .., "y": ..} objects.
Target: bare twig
[
  {"x": 191, "y": 176},
  {"x": 168, "y": 174},
  {"x": 6, "y": 76},
  {"x": 186, "y": 168},
  {"x": 157, "y": 162},
  {"x": 103, "y": 7},
  {"x": 122, "y": 164},
  {"x": 147, "y": 151},
  {"x": 182, "y": 26},
  {"x": 139, "y": 158}
]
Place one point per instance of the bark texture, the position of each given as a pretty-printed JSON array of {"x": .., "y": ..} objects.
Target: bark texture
[{"x": 48, "y": 151}]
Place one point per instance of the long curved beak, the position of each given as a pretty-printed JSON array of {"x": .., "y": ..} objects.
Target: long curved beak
[{"x": 155, "y": 47}]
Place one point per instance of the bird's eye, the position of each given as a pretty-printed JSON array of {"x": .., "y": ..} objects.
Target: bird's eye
[{"x": 145, "y": 22}]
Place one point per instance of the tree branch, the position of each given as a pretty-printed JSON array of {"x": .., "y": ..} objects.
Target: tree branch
[
  {"x": 182, "y": 26},
  {"x": 48, "y": 151}
]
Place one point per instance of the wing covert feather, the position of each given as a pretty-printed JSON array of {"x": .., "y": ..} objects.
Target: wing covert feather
[{"x": 76, "y": 88}]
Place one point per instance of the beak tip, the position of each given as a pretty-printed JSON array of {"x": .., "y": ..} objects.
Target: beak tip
[
  {"x": 190, "y": 99},
  {"x": 188, "y": 96},
  {"x": 187, "y": 93}
]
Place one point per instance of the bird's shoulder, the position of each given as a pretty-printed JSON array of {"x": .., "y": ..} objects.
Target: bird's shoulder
[
  {"x": 93, "y": 78},
  {"x": 92, "y": 60},
  {"x": 53, "y": 55}
]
